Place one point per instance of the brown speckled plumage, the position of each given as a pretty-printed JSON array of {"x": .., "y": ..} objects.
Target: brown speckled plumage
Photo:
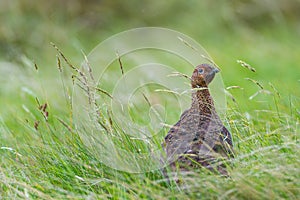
[{"x": 199, "y": 137}]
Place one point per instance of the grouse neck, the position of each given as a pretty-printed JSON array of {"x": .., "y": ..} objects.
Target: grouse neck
[{"x": 202, "y": 101}]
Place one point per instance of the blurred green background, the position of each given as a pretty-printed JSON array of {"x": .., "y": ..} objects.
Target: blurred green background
[
  {"x": 263, "y": 33},
  {"x": 43, "y": 156}
]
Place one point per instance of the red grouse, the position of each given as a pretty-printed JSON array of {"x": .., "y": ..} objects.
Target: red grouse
[{"x": 199, "y": 138}]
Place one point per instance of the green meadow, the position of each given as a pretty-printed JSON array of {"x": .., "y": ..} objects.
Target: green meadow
[{"x": 44, "y": 150}]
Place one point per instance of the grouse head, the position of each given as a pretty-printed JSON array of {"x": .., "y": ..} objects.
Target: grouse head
[{"x": 203, "y": 75}]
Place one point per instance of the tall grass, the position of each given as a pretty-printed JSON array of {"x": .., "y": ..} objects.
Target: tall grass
[
  {"x": 44, "y": 157},
  {"x": 41, "y": 151}
]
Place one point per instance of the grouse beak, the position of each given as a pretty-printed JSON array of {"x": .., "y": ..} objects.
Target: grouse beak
[{"x": 216, "y": 70}]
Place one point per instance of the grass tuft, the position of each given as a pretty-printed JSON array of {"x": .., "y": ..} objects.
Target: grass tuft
[{"x": 51, "y": 160}]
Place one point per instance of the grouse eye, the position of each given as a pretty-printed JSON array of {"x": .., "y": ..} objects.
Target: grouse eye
[{"x": 200, "y": 71}]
